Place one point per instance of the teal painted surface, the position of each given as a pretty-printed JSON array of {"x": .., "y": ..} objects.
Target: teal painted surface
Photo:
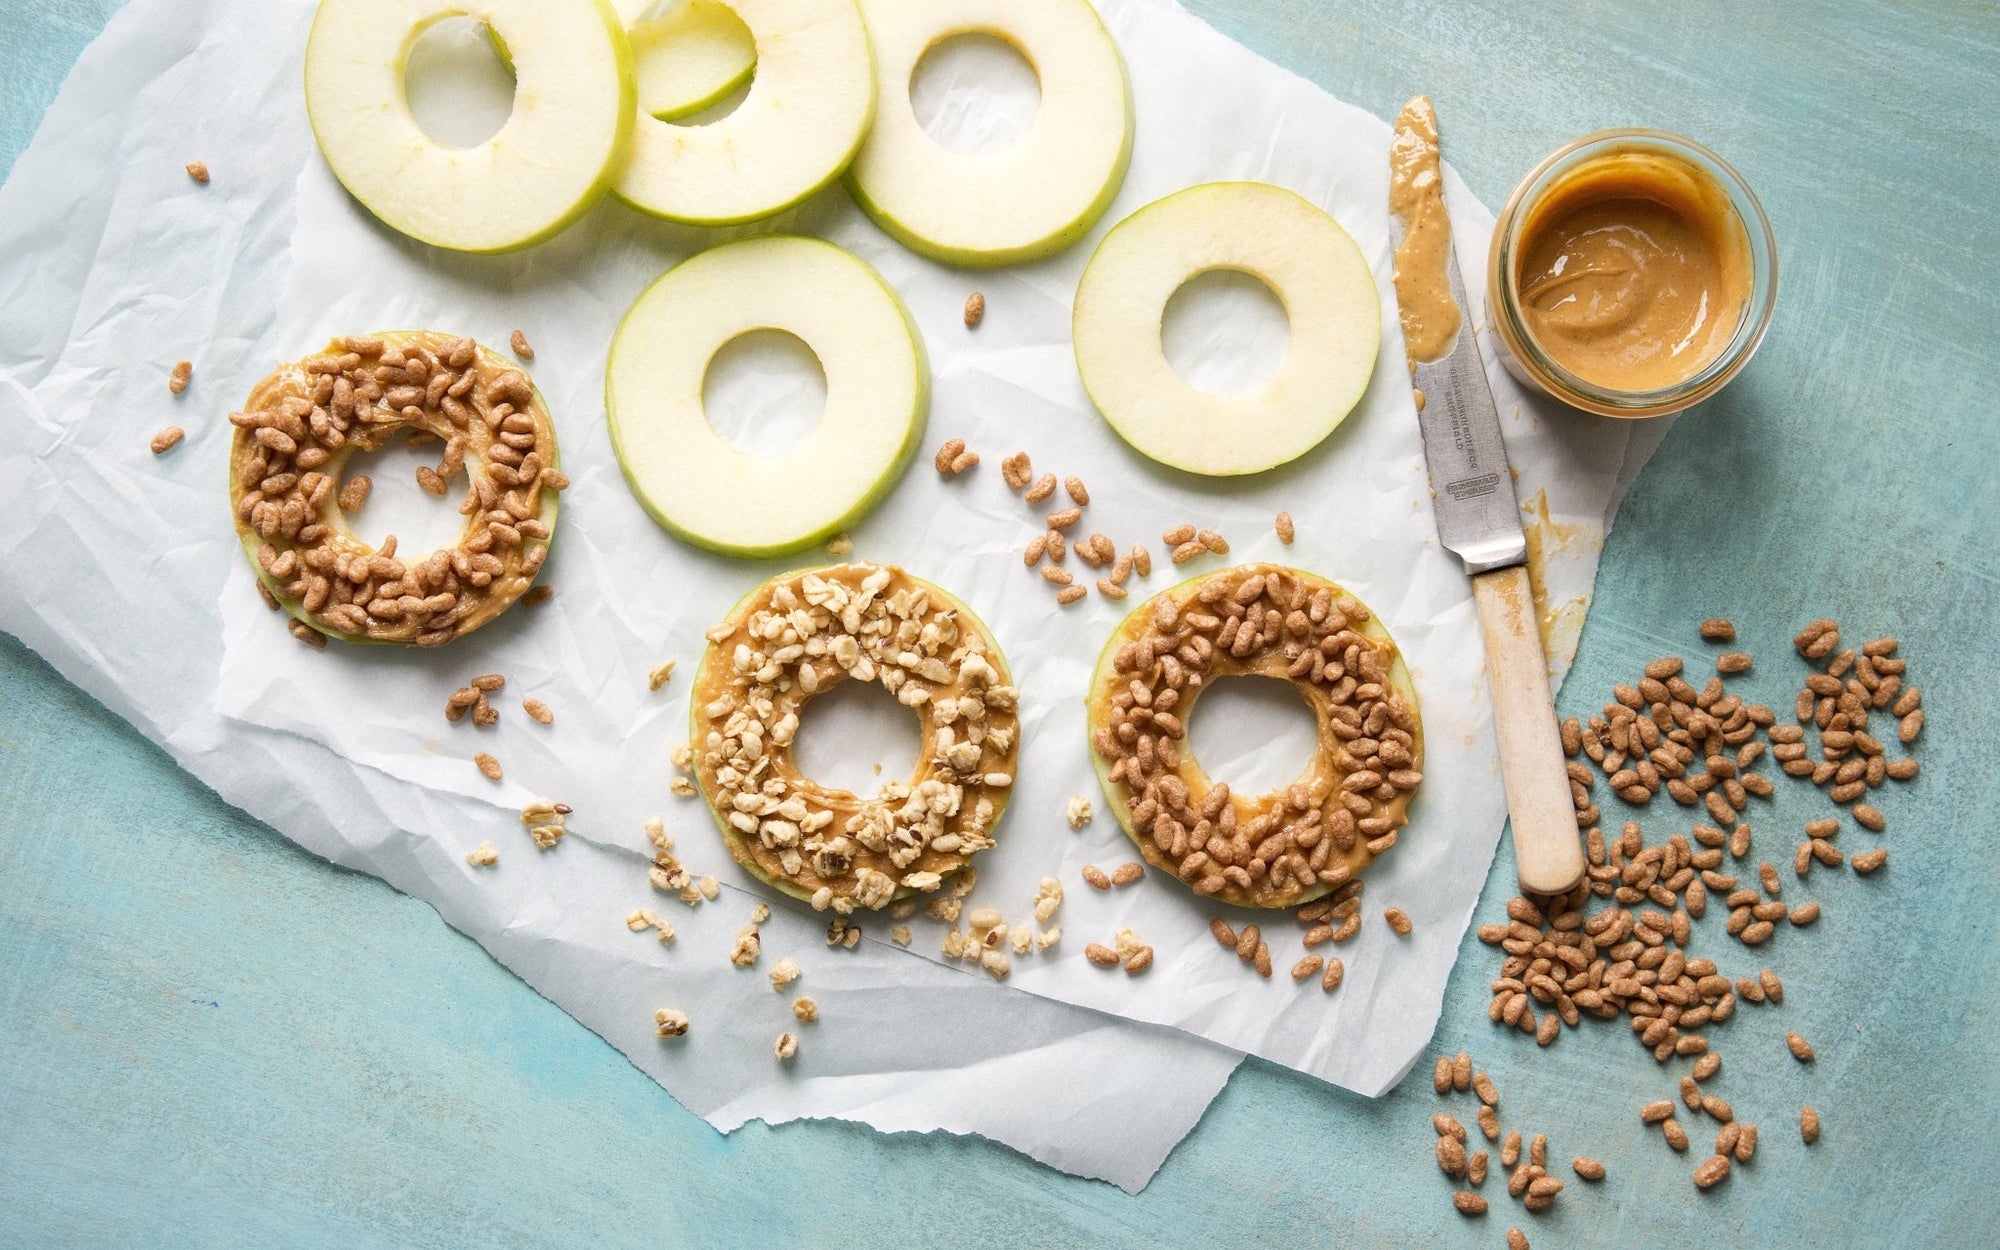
[{"x": 208, "y": 1037}]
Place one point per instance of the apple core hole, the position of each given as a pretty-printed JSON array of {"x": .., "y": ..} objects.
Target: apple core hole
[
  {"x": 1225, "y": 332},
  {"x": 856, "y": 737},
  {"x": 459, "y": 87},
  {"x": 422, "y": 522},
  {"x": 764, "y": 392},
  {"x": 975, "y": 94},
  {"x": 1256, "y": 733},
  {"x": 722, "y": 108}
]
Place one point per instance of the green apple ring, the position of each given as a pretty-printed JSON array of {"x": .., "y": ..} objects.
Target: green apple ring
[
  {"x": 301, "y": 424},
  {"x": 539, "y": 172},
  {"x": 808, "y": 108},
  {"x": 798, "y": 635},
  {"x": 1030, "y": 200},
  {"x": 715, "y": 495},
  {"x": 1296, "y": 249},
  {"x": 1292, "y": 845},
  {"x": 688, "y": 57}
]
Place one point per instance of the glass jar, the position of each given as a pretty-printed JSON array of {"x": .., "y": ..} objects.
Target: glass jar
[{"x": 1534, "y": 367}]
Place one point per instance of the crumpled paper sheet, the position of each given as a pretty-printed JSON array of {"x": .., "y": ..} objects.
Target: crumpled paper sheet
[{"x": 116, "y": 266}]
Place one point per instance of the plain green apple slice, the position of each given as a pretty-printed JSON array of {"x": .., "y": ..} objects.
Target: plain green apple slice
[
  {"x": 1029, "y": 200},
  {"x": 808, "y": 107},
  {"x": 689, "y": 56},
  {"x": 543, "y": 169},
  {"x": 1295, "y": 248},
  {"x": 715, "y": 495}
]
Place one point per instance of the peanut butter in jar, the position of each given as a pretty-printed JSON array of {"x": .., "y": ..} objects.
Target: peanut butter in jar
[{"x": 1632, "y": 274}]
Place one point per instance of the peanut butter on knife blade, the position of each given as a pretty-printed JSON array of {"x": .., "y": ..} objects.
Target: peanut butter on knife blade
[{"x": 1416, "y": 195}]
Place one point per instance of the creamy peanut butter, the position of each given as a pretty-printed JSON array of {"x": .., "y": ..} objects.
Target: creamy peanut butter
[
  {"x": 1416, "y": 195},
  {"x": 1634, "y": 271}
]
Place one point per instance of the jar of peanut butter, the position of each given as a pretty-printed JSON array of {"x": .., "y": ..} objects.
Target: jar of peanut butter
[{"x": 1633, "y": 274}]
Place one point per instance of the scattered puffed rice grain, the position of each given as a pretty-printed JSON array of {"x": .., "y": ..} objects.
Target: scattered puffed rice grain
[
  {"x": 519, "y": 342},
  {"x": 1286, "y": 532},
  {"x": 975, "y": 310},
  {"x": 488, "y": 766}
]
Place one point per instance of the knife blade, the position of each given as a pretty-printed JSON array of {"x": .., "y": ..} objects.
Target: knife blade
[
  {"x": 1479, "y": 520},
  {"x": 1472, "y": 485}
]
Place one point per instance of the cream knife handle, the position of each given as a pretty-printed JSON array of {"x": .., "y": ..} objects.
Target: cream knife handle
[{"x": 1547, "y": 856}]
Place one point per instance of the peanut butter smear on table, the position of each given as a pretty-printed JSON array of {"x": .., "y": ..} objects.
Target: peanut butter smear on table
[
  {"x": 1634, "y": 271},
  {"x": 1416, "y": 195}
]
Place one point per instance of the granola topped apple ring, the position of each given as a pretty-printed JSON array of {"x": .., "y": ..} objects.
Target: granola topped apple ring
[
  {"x": 796, "y": 636},
  {"x": 303, "y": 422}
]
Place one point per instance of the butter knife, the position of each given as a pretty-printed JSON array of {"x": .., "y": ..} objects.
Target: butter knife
[{"x": 1479, "y": 520}]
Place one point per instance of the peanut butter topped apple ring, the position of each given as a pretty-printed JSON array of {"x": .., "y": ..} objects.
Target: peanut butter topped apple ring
[
  {"x": 295, "y": 435},
  {"x": 796, "y": 636},
  {"x": 1295, "y": 844}
]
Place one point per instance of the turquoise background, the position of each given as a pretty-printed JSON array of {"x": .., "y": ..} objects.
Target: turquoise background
[{"x": 209, "y": 1037}]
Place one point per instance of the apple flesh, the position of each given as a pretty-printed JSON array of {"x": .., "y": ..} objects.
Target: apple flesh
[
  {"x": 543, "y": 169},
  {"x": 688, "y": 57},
  {"x": 808, "y": 108},
  {"x": 718, "y": 496},
  {"x": 1029, "y": 200},
  {"x": 1295, "y": 248}
]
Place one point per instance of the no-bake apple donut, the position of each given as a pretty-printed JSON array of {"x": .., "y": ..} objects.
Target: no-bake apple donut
[
  {"x": 1294, "y": 844},
  {"x": 798, "y": 635},
  {"x": 302, "y": 423}
]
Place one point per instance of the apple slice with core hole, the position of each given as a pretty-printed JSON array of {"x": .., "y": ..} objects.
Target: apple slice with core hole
[
  {"x": 715, "y": 495},
  {"x": 689, "y": 56},
  {"x": 1328, "y": 767},
  {"x": 1292, "y": 246},
  {"x": 809, "y": 105},
  {"x": 1028, "y": 200},
  {"x": 557, "y": 153}
]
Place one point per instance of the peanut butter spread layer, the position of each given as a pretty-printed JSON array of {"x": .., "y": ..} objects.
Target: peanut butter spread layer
[
  {"x": 795, "y": 637},
  {"x": 1416, "y": 195},
  {"x": 1295, "y": 844},
  {"x": 1633, "y": 271}
]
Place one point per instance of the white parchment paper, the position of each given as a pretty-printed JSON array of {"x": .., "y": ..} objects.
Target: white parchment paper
[{"x": 113, "y": 265}]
